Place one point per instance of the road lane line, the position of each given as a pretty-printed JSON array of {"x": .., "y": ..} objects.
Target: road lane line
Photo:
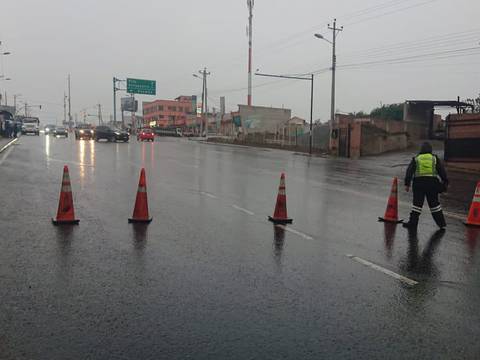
[
  {"x": 208, "y": 194},
  {"x": 296, "y": 232},
  {"x": 8, "y": 145},
  {"x": 243, "y": 210},
  {"x": 4, "y": 156},
  {"x": 383, "y": 270}
]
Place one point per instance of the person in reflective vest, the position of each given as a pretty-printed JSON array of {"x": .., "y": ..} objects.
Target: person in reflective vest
[{"x": 429, "y": 179}]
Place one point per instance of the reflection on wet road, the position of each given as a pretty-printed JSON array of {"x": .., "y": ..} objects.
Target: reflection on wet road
[{"x": 210, "y": 277}]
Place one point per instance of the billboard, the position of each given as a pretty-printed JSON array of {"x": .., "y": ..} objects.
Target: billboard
[{"x": 129, "y": 104}]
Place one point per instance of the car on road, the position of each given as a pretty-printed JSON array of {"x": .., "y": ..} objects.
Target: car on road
[
  {"x": 110, "y": 134},
  {"x": 84, "y": 131},
  {"x": 31, "y": 126},
  {"x": 60, "y": 131},
  {"x": 146, "y": 134},
  {"x": 48, "y": 129}
]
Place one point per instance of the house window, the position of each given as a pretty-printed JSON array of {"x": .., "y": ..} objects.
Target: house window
[
  {"x": 180, "y": 109},
  {"x": 159, "y": 108}
]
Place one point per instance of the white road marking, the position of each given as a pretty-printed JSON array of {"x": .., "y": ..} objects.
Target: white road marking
[
  {"x": 296, "y": 232},
  {"x": 383, "y": 270},
  {"x": 4, "y": 156},
  {"x": 8, "y": 145},
  {"x": 208, "y": 194},
  {"x": 183, "y": 164},
  {"x": 454, "y": 215},
  {"x": 243, "y": 210}
]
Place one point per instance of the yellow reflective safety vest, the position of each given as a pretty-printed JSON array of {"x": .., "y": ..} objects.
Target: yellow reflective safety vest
[{"x": 426, "y": 165}]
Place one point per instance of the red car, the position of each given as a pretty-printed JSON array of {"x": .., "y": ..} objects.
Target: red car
[{"x": 146, "y": 134}]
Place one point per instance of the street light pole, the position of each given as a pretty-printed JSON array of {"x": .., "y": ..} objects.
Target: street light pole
[
  {"x": 335, "y": 32},
  {"x": 69, "y": 105},
  {"x": 310, "y": 140}
]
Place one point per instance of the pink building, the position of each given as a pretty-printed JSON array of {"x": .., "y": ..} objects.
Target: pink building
[{"x": 169, "y": 113}]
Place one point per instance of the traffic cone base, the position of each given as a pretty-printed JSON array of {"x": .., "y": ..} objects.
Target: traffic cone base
[
  {"x": 473, "y": 218},
  {"x": 65, "y": 222},
  {"x": 391, "y": 213},
  {"x": 280, "y": 221},
  {"x": 390, "y": 221},
  {"x": 145, "y": 221},
  {"x": 65, "y": 212}
]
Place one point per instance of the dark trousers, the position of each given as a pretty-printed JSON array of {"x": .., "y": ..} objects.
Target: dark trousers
[{"x": 426, "y": 188}]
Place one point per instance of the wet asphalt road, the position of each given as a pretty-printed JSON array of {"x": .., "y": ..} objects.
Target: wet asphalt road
[{"x": 210, "y": 278}]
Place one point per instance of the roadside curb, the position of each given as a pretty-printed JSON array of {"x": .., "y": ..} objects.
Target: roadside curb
[{"x": 8, "y": 145}]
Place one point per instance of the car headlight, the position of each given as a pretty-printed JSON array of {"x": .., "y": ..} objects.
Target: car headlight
[
  {"x": 117, "y": 133},
  {"x": 81, "y": 131}
]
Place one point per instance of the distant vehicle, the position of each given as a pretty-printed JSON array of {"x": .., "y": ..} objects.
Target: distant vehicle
[
  {"x": 176, "y": 132},
  {"x": 146, "y": 134},
  {"x": 84, "y": 131},
  {"x": 188, "y": 133},
  {"x": 60, "y": 131},
  {"x": 48, "y": 129},
  {"x": 31, "y": 125},
  {"x": 110, "y": 134}
]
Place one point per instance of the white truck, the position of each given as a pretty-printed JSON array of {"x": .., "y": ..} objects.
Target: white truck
[{"x": 31, "y": 125}]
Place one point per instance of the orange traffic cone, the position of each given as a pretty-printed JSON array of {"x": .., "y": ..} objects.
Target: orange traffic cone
[
  {"x": 65, "y": 212},
  {"x": 391, "y": 213},
  {"x": 140, "y": 212},
  {"x": 280, "y": 213},
  {"x": 473, "y": 218}
]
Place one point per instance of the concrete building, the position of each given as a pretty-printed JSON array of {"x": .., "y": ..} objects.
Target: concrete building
[
  {"x": 462, "y": 142},
  {"x": 419, "y": 115},
  {"x": 170, "y": 113},
  {"x": 355, "y": 137}
]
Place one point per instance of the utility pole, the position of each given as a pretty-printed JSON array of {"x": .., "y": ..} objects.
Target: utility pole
[
  {"x": 100, "y": 120},
  {"x": 64, "y": 108},
  {"x": 115, "y": 101},
  {"x": 204, "y": 74},
  {"x": 250, "y": 4},
  {"x": 132, "y": 116},
  {"x": 69, "y": 105},
  {"x": 15, "y": 102},
  {"x": 26, "y": 106},
  {"x": 335, "y": 31}
]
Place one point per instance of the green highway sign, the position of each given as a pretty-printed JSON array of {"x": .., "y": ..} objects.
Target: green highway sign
[{"x": 139, "y": 86}]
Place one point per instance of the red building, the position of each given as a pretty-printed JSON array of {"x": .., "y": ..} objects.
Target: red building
[{"x": 169, "y": 113}]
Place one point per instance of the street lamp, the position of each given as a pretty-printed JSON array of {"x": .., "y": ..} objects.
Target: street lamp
[
  {"x": 320, "y": 36},
  {"x": 335, "y": 31}
]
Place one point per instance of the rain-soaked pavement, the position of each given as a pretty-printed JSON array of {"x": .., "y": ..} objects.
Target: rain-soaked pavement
[{"x": 210, "y": 278}]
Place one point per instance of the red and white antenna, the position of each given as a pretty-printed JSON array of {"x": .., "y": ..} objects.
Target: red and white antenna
[{"x": 250, "y": 4}]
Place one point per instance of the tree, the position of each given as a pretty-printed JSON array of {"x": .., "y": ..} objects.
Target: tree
[
  {"x": 388, "y": 112},
  {"x": 475, "y": 103}
]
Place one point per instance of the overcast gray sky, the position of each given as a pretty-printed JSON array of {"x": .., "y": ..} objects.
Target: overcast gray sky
[{"x": 389, "y": 51}]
